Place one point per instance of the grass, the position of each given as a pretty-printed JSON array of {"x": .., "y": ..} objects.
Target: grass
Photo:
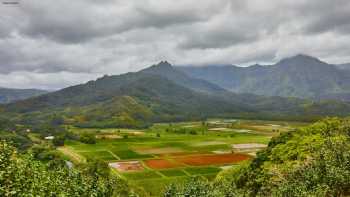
[
  {"x": 173, "y": 173},
  {"x": 130, "y": 154},
  {"x": 136, "y": 176},
  {"x": 156, "y": 187},
  {"x": 103, "y": 155},
  {"x": 211, "y": 147},
  {"x": 202, "y": 170},
  {"x": 75, "y": 157}
]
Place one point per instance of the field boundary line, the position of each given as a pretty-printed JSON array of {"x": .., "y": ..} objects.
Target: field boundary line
[
  {"x": 159, "y": 173},
  {"x": 188, "y": 174},
  {"x": 114, "y": 155}
]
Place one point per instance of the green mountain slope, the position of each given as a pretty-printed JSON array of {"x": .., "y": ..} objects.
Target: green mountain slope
[
  {"x": 141, "y": 98},
  {"x": 299, "y": 76},
  {"x": 168, "y": 71}
]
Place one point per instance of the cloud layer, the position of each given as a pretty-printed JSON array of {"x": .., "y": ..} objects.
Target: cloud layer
[{"x": 53, "y": 44}]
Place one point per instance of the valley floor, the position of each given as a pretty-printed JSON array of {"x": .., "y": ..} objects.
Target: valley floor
[{"x": 169, "y": 153}]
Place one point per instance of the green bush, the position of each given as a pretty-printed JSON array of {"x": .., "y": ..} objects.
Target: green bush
[
  {"x": 58, "y": 140},
  {"x": 22, "y": 175},
  {"x": 88, "y": 138}
]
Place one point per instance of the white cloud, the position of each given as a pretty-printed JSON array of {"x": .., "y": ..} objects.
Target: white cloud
[{"x": 48, "y": 81}]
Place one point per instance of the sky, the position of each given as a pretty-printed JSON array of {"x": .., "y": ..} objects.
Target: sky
[{"x": 50, "y": 44}]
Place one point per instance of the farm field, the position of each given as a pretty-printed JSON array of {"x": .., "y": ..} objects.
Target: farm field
[{"x": 168, "y": 153}]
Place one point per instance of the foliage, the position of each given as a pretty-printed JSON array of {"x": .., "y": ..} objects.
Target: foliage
[
  {"x": 182, "y": 130},
  {"x": 45, "y": 153},
  {"x": 18, "y": 140},
  {"x": 195, "y": 187},
  {"x": 22, "y": 175},
  {"x": 58, "y": 140},
  {"x": 88, "y": 138}
]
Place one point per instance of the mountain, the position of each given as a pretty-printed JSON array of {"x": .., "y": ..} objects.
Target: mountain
[
  {"x": 344, "y": 66},
  {"x": 168, "y": 71},
  {"x": 299, "y": 76},
  {"x": 132, "y": 99},
  {"x": 154, "y": 95},
  {"x": 8, "y": 95}
]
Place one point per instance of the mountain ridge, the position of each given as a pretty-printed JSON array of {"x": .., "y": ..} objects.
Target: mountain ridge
[
  {"x": 345, "y": 66},
  {"x": 168, "y": 71},
  {"x": 140, "y": 98},
  {"x": 300, "y": 76}
]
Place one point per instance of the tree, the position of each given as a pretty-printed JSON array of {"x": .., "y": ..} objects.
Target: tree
[
  {"x": 88, "y": 138},
  {"x": 22, "y": 175},
  {"x": 58, "y": 140},
  {"x": 195, "y": 187}
]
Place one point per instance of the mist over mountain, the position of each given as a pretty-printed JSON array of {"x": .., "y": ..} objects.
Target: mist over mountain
[
  {"x": 8, "y": 95},
  {"x": 298, "y": 76}
]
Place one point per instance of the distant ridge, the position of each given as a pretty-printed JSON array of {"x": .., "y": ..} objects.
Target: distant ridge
[
  {"x": 300, "y": 76},
  {"x": 8, "y": 95},
  {"x": 344, "y": 66}
]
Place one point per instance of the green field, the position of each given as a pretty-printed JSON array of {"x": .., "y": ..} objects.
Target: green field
[
  {"x": 171, "y": 140},
  {"x": 203, "y": 170}
]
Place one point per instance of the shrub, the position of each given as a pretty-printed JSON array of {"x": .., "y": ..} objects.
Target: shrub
[
  {"x": 193, "y": 132},
  {"x": 58, "y": 140},
  {"x": 22, "y": 175},
  {"x": 88, "y": 138}
]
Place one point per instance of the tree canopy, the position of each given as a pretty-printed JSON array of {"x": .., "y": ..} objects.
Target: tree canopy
[{"x": 22, "y": 175}]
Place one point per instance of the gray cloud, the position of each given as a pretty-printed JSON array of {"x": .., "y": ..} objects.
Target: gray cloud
[
  {"x": 78, "y": 21},
  {"x": 335, "y": 17},
  {"x": 53, "y": 44}
]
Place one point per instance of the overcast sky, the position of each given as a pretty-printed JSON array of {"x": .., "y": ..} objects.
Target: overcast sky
[{"x": 51, "y": 44}]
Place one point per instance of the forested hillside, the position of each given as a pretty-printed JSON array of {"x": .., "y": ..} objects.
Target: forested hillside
[{"x": 158, "y": 94}]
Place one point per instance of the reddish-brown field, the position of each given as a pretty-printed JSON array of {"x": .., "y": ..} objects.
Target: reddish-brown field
[
  {"x": 203, "y": 160},
  {"x": 161, "y": 164}
]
